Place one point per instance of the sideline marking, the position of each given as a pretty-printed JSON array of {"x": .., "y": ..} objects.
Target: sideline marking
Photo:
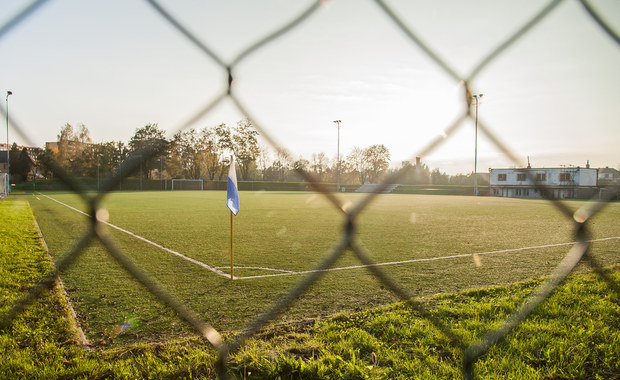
[
  {"x": 73, "y": 320},
  {"x": 425, "y": 259},
  {"x": 212, "y": 269},
  {"x": 261, "y": 268}
]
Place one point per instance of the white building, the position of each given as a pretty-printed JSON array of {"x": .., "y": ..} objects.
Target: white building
[{"x": 558, "y": 183}]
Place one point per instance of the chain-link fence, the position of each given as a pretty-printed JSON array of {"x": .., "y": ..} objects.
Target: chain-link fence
[{"x": 347, "y": 242}]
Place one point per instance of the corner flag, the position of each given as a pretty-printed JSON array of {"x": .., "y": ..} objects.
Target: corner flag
[{"x": 232, "y": 196}]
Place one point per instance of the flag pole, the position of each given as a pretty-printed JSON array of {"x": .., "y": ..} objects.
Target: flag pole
[
  {"x": 232, "y": 201},
  {"x": 231, "y": 245}
]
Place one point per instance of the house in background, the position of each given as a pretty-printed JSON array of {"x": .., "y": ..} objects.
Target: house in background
[
  {"x": 559, "y": 183},
  {"x": 608, "y": 176}
]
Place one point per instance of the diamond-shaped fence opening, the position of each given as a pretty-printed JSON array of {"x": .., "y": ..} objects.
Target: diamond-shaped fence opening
[{"x": 349, "y": 241}]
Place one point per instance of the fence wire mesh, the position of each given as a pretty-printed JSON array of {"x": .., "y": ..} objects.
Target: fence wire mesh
[{"x": 348, "y": 241}]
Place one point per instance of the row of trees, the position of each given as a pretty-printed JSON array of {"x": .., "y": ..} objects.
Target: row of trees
[
  {"x": 189, "y": 154},
  {"x": 205, "y": 153}
]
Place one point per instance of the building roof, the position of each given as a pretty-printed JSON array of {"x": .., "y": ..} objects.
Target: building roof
[{"x": 609, "y": 170}]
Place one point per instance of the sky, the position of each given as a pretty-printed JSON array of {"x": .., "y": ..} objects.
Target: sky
[{"x": 117, "y": 65}]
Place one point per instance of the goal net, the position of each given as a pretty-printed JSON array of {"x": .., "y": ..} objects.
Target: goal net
[{"x": 187, "y": 184}]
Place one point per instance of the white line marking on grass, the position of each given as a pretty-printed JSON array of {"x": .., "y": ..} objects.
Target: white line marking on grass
[
  {"x": 263, "y": 268},
  {"x": 212, "y": 269},
  {"x": 422, "y": 260}
]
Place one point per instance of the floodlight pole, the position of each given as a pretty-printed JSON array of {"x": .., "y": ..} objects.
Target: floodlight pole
[
  {"x": 477, "y": 97},
  {"x": 338, "y": 157},
  {"x": 8, "y": 152}
]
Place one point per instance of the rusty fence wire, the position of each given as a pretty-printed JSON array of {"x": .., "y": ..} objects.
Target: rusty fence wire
[{"x": 347, "y": 242}]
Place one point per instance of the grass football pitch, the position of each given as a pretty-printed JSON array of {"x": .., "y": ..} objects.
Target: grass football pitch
[{"x": 428, "y": 244}]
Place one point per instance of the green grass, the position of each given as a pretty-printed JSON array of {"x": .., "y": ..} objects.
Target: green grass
[
  {"x": 575, "y": 334},
  {"x": 293, "y": 231},
  {"x": 44, "y": 333}
]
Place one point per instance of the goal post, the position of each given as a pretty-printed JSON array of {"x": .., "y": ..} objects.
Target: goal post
[{"x": 187, "y": 184}]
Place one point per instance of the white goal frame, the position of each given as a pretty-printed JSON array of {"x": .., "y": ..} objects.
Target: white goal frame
[{"x": 201, "y": 181}]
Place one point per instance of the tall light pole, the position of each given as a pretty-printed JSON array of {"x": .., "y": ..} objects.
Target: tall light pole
[
  {"x": 477, "y": 97},
  {"x": 8, "y": 152},
  {"x": 338, "y": 157}
]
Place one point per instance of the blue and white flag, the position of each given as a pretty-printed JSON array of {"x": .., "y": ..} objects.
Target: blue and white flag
[{"x": 232, "y": 196}]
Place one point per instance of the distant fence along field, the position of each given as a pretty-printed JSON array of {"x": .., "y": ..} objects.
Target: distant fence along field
[{"x": 129, "y": 184}]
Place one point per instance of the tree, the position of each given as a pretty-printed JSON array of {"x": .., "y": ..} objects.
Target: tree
[
  {"x": 83, "y": 163},
  {"x": 82, "y": 135},
  {"x": 21, "y": 164},
  {"x": 75, "y": 150},
  {"x": 301, "y": 164},
  {"x": 107, "y": 156},
  {"x": 223, "y": 136},
  {"x": 357, "y": 164},
  {"x": 66, "y": 146},
  {"x": 262, "y": 160},
  {"x": 151, "y": 144},
  {"x": 25, "y": 164},
  {"x": 245, "y": 146},
  {"x": 279, "y": 169},
  {"x": 438, "y": 178},
  {"x": 319, "y": 164},
  {"x": 44, "y": 156},
  {"x": 414, "y": 174},
  {"x": 462, "y": 179},
  {"x": 208, "y": 152},
  {"x": 377, "y": 158},
  {"x": 185, "y": 145}
]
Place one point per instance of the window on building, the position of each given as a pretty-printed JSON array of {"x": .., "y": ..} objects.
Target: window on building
[
  {"x": 520, "y": 176},
  {"x": 564, "y": 177},
  {"x": 541, "y": 177},
  {"x": 501, "y": 177}
]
